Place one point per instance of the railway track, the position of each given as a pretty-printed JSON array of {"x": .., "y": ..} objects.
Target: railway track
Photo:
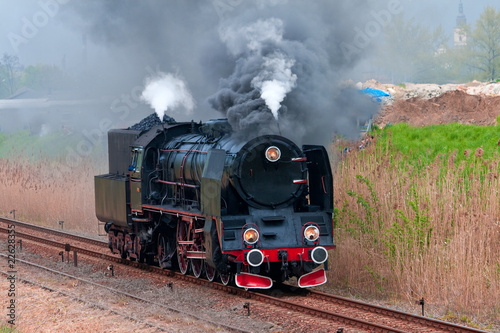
[
  {"x": 413, "y": 322},
  {"x": 118, "y": 292},
  {"x": 59, "y": 233},
  {"x": 125, "y": 316},
  {"x": 322, "y": 306}
]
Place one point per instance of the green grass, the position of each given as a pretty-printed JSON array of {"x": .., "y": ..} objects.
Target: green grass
[
  {"x": 8, "y": 329},
  {"x": 53, "y": 145},
  {"x": 421, "y": 145}
]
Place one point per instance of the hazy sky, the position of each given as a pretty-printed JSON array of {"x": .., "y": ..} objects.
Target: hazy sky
[
  {"x": 128, "y": 40},
  {"x": 55, "y": 37},
  {"x": 432, "y": 13}
]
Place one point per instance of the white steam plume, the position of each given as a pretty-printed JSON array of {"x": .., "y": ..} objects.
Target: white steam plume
[
  {"x": 165, "y": 91},
  {"x": 275, "y": 81}
]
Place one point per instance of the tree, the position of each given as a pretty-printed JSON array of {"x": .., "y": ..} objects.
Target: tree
[
  {"x": 4, "y": 88},
  {"x": 483, "y": 45},
  {"x": 411, "y": 52},
  {"x": 10, "y": 70},
  {"x": 42, "y": 77}
]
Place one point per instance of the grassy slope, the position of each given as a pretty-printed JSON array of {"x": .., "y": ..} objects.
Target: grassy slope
[{"x": 426, "y": 143}]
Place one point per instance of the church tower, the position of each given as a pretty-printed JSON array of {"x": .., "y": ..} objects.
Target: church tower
[{"x": 460, "y": 37}]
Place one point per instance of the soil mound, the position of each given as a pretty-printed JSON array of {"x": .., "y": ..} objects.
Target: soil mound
[{"x": 452, "y": 106}]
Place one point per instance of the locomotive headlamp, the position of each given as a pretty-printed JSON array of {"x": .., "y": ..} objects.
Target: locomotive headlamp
[
  {"x": 251, "y": 236},
  {"x": 273, "y": 154},
  {"x": 311, "y": 233}
]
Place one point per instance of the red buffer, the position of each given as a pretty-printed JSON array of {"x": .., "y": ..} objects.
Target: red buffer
[
  {"x": 312, "y": 279},
  {"x": 253, "y": 281}
]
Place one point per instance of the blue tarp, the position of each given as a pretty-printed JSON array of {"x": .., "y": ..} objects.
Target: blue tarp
[{"x": 375, "y": 93}]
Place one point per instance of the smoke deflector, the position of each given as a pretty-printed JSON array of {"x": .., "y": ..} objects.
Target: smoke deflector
[
  {"x": 312, "y": 279},
  {"x": 253, "y": 281}
]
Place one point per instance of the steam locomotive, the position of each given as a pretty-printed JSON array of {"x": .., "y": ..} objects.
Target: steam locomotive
[{"x": 193, "y": 197}]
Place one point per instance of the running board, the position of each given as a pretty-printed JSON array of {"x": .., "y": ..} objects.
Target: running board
[{"x": 312, "y": 279}]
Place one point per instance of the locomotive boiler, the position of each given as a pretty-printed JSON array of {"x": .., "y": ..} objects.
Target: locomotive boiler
[{"x": 196, "y": 198}]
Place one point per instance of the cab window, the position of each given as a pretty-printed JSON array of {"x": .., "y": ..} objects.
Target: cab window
[{"x": 136, "y": 162}]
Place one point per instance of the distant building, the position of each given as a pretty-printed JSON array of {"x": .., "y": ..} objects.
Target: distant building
[{"x": 460, "y": 36}]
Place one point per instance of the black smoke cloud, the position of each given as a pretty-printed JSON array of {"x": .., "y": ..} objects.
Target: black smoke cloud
[
  {"x": 308, "y": 38},
  {"x": 205, "y": 42}
]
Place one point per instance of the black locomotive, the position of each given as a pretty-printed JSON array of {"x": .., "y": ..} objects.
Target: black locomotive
[{"x": 191, "y": 196}]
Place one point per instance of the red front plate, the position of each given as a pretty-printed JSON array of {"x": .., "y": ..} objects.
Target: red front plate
[
  {"x": 294, "y": 254},
  {"x": 253, "y": 281},
  {"x": 312, "y": 279}
]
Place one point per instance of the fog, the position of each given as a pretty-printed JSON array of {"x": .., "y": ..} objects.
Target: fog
[{"x": 112, "y": 48}]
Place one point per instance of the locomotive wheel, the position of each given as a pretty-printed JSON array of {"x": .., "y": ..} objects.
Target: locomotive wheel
[
  {"x": 225, "y": 278},
  {"x": 123, "y": 254},
  {"x": 210, "y": 272},
  {"x": 162, "y": 252},
  {"x": 197, "y": 267},
  {"x": 138, "y": 250},
  {"x": 121, "y": 246},
  {"x": 197, "y": 264},
  {"x": 182, "y": 235}
]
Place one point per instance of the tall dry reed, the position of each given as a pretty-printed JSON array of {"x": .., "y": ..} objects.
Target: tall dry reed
[
  {"x": 47, "y": 191},
  {"x": 402, "y": 232},
  {"x": 408, "y": 232}
]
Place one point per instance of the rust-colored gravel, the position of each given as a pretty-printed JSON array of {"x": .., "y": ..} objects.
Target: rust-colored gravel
[
  {"x": 40, "y": 310},
  {"x": 44, "y": 311}
]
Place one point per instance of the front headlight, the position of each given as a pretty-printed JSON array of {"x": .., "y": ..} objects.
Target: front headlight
[
  {"x": 311, "y": 233},
  {"x": 251, "y": 236},
  {"x": 273, "y": 154}
]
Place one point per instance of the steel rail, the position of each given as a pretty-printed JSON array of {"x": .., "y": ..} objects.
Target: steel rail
[
  {"x": 430, "y": 322},
  {"x": 98, "y": 306},
  {"x": 346, "y": 320},
  {"x": 232, "y": 290},
  {"x": 141, "y": 299},
  {"x": 55, "y": 232}
]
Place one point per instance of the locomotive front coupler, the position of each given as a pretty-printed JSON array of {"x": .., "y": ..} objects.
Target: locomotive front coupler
[
  {"x": 283, "y": 255},
  {"x": 295, "y": 268}
]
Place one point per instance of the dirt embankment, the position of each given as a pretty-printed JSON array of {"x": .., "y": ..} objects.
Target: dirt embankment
[
  {"x": 428, "y": 104},
  {"x": 451, "y": 107}
]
